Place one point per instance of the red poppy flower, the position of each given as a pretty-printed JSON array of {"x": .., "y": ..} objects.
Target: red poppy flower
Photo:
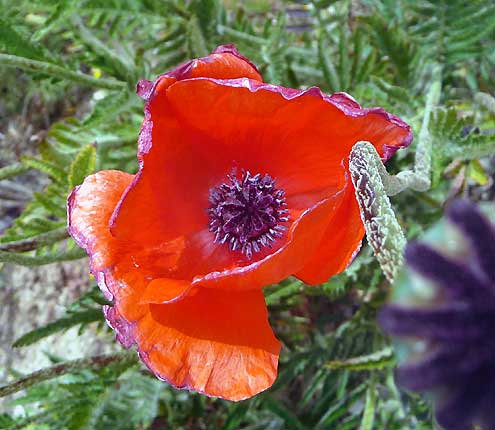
[{"x": 241, "y": 184}]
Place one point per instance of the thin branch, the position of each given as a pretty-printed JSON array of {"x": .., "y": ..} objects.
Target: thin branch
[
  {"x": 13, "y": 170},
  {"x": 34, "y": 242},
  {"x": 40, "y": 260},
  {"x": 59, "y": 72},
  {"x": 73, "y": 366}
]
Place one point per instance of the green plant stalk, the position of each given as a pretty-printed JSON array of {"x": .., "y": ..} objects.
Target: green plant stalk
[
  {"x": 40, "y": 260},
  {"x": 59, "y": 72},
  {"x": 383, "y": 231},
  {"x": 34, "y": 242},
  {"x": 420, "y": 178},
  {"x": 373, "y": 185},
  {"x": 73, "y": 366},
  {"x": 368, "y": 419}
]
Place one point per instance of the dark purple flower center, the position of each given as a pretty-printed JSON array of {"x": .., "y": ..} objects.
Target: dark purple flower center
[{"x": 247, "y": 213}]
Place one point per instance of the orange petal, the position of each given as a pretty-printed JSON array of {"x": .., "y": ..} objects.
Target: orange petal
[
  {"x": 89, "y": 209},
  {"x": 218, "y": 343},
  {"x": 340, "y": 243},
  {"x": 163, "y": 290}
]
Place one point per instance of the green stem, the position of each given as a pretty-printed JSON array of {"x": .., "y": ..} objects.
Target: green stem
[
  {"x": 420, "y": 178},
  {"x": 34, "y": 242},
  {"x": 40, "y": 260},
  {"x": 383, "y": 231},
  {"x": 373, "y": 185},
  {"x": 58, "y": 71},
  {"x": 73, "y": 366}
]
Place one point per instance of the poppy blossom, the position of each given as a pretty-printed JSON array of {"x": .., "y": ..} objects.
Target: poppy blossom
[
  {"x": 240, "y": 185},
  {"x": 444, "y": 309}
]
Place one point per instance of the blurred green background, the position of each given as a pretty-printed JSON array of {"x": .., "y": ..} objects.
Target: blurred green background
[{"x": 68, "y": 71}]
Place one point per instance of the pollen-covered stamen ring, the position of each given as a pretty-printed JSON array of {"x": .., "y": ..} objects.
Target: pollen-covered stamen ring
[{"x": 247, "y": 213}]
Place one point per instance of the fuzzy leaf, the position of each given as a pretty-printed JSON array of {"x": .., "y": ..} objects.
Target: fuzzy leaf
[
  {"x": 13, "y": 42},
  {"x": 375, "y": 361},
  {"x": 82, "y": 166},
  {"x": 49, "y": 168},
  {"x": 65, "y": 323}
]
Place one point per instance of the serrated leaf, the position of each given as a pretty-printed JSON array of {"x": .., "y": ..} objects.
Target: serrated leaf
[
  {"x": 375, "y": 361},
  {"x": 15, "y": 43},
  {"x": 50, "y": 204},
  {"x": 13, "y": 170},
  {"x": 131, "y": 403},
  {"x": 235, "y": 416},
  {"x": 82, "y": 166},
  {"x": 107, "y": 108},
  {"x": 6, "y": 421},
  {"x": 456, "y": 138},
  {"x": 65, "y": 323},
  {"x": 40, "y": 260},
  {"x": 286, "y": 291},
  {"x": 327, "y": 66},
  {"x": 279, "y": 409},
  {"x": 52, "y": 170},
  {"x": 195, "y": 39}
]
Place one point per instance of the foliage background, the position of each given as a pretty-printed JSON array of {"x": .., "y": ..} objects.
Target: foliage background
[{"x": 68, "y": 71}]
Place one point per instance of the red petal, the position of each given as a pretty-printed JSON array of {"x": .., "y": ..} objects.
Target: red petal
[
  {"x": 340, "y": 243},
  {"x": 199, "y": 129},
  {"x": 224, "y": 63},
  {"x": 163, "y": 290}
]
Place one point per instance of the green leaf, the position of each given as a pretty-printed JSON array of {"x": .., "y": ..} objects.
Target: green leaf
[
  {"x": 54, "y": 204},
  {"x": 108, "y": 108},
  {"x": 282, "y": 292},
  {"x": 122, "y": 65},
  {"x": 57, "y": 71},
  {"x": 51, "y": 169},
  {"x": 477, "y": 173},
  {"x": 82, "y": 166},
  {"x": 375, "y": 361},
  {"x": 132, "y": 403},
  {"x": 327, "y": 66},
  {"x": 65, "y": 323},
  {"x": 13, "y": 42},
  {"x": 40, "y": 260},
  {"x": 344, "y": 64},
  {"x": 13, "y": 170},
  {"x": 369, "y": 409},
  {"x": 206, "y": 12},
  {"x": 235, "y": 416},
  {"x": 6, "y": 421},
  {"x": 196, "y": 41},
  {"x": 279, "y": 409},
  {"x": 28, "y": 243}
]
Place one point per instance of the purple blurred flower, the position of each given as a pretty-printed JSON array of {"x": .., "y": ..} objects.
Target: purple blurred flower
[{"x": 449, "y": 326}]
